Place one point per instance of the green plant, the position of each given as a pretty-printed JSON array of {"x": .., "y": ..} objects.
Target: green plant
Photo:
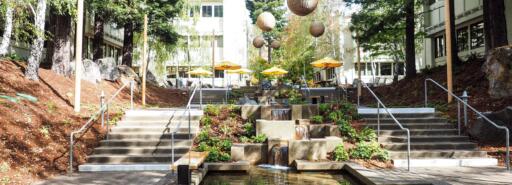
[
  {"x": 295, "y": 97},
  {"x": 213, "y": 154},
  {"x": 381, "y": 155},
  {"x": 333, "y": 116},
  {"x": 324, "y": 108},
  {"x": 212, "y": 110},
  {"x": 317, "y": 119},
  {"x": 203, "y": 147},
  {"x": 248, "y": 128},
  {"x": 225, "y": 129},
  {"x": 51, "y": 107},
  {"x": 245, "y": 139},
  {"x": 363, "y": 150},
  {"x": 366, "y": 134},
  {"x": 203, "y": 135},
  {"x": 347, "y": 130},
  {"x": 206, "y": 120},
  {"x": 260, "y": 138},
  {"x": 67, "y": 121},
  {"x": 224, "y": 156},
  {"x": 340, "y": 154},
  {"x": 225, "y": 145}
]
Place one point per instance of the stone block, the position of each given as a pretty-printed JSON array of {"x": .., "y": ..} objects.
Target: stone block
[
  {"x": 311, "y": 150},
  {"x": 309, "y": 111},
  {"x": 332, "y": 130},
  {"x": 303, "y": 122},
  {"x": 303, "y": 165},
  {"x": 233, "y": 166},
  {"x": 253, "y": 153},
  {"x": 266, "y": 112},
  {"x": 251, "y": 111},
  {"x": 276, "y": 129},
  {"x": 331, "y": 142},
  {"x": 316, "y": 131}
]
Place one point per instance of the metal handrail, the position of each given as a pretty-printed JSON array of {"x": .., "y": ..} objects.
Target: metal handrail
[
  {"x": 379, "y": 103},
  {"x": 306, "y": 85},
  {"x": 102, "y": 110},
  {"x": 507, "y": 132}
]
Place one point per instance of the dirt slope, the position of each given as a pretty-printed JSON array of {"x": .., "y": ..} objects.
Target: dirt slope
[{"x": 34, "y": 136}]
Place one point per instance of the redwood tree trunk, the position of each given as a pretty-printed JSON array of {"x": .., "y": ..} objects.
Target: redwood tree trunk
[
  {"x": 6, "y": 40},
  {"x": 61, "y": 56},
  {"x": 410, "y": 48},
  {"x": 98, "y": 38},
  {"x": 495, "y": 24},
  {"x": 36, "y": 49},
  {"x": 128, "y": 44}
]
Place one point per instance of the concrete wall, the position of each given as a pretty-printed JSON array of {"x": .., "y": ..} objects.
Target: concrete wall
[
  {"x": 276, "y": 129},
  {"x": 253, "y": 153}
]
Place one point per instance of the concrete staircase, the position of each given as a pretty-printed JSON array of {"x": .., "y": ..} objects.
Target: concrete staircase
[
  {"x": 434, "y": 141},
  {"x": 142, "y": 141}
]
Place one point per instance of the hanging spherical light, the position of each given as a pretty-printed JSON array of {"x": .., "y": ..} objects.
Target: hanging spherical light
[
  {"x": 275, "y": 44},
  {"x": 317, "y": 29},
  {"x": 302, "y": 7},
  {"x": 266, "y": 21},
  {"x": 258, "y": 42}
]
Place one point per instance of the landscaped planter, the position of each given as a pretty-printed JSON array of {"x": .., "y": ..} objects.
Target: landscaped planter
[
  {"x": 276, "y": 129},
  {"x": 323, "y": 130},
  {"x": 254, "y": 153},
  {"x": 304, "y": 111}
]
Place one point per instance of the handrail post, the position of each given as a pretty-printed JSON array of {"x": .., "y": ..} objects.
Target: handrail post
[
  {"x": 378, "y": 119},
  {"x": 458, "y": 116},
  {"x": 408, "y": 150},
  {"x": 426, "y": 93},
  {"x": 132, "y": 86},
  {"x": 108, "y": 120},
  {"x": 172, "y": 155},
  {"x": 465, "y": 98},
  {"x": 70, "y": 171},
  {"x": 102, "y": 103},
  {"x": 507, "y": 160},
  {"x": 189, "y": 118}
]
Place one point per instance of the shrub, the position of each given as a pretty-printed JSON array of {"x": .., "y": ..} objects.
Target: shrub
[
  {"x": 213, "y": 154},
  {"x": 203, "y": 136},
  {"x": 206, "y": 120},
  {"x": 225, "y": 145},
  {"x": 366, "y": 134},
  {"x": 340, "y": 154},
  {"x": 248, "y": 128},
  {"x": 260, "y": 138},
  {"x": 245, "y": 139},
  {"x": 381, "y": 155},
  {"x": 347, "y": 130},
  {"x": 203, "y": 147},
  {"x": 324, "y": 108},
  {"x": 212, "y": 110},
  {"x": 224, "y": 156},
  {"x": 363, "y": 150},
  {"x": 333, "y": 116},
  {"x": 317, "y": 119}
]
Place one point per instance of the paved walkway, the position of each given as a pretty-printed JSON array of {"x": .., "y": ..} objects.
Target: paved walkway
[{"x": 104, "y": 178}]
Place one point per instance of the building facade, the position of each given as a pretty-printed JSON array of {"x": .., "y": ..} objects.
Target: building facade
[{"x": 214, "y": 31}]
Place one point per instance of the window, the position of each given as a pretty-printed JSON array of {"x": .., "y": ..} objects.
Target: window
[
  {"x": 477, "y": 35},
  {"x": 385, "y": 69},
  {"x": 207, "y": 11},
  {"x": 220, "y": 41},
  {"x": 439, "y": 47},
  {"x": 219, "y": 11},
  {"x": 463, "y": 39},
  {"x": 330, "y": 73},
  {"x": 194, "y": 11},
  {"x": 219, "y": 74}
]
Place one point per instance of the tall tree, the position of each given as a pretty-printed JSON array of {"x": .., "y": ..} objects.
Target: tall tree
[
  {"x": 101, "y": 11},
  {"x": 495, "y": 24},
  {"x": 61, "y": 15},
  {"x": 6, "y": 40},
  {"x": 410, "y": 51},
  {"x": 36, "y": 49}
]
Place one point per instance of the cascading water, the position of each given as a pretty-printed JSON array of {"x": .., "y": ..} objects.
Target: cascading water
[
  {"x": 278, "y": 155},
  {"x": 301, "y": 132},
  {"x": 281, "y": 114}
]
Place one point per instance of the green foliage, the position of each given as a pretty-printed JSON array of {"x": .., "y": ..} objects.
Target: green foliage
[
  {"x": 340, "y": 154},
  {"x": 295, "y": 97},
  {"x": 347, "y": 130},
  {"x": 317, "y": 119},
  {"x": 245, "y": 139},
  {"x": 334, "y": 116},
  {"x": 203, "y": 135},
  {"x": 225, "y": 145},
  {"x": 366, "y": 134},
  {"x": 212, "y": 110},
  {"x": 206, "y": 120},
  {"x": 249, "y": 128},
  {"x": 260, "y": 138},
  {"x": 51, "y": 107},
  {"x": 369, "y": 150},
  {"x": 324, "y": 108}
]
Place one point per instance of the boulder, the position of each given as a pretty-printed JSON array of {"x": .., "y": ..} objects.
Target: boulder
[
  {"x": 108, "y": 69},
  {"x": 488, "y": 134},
  {"x": 498, "y": 69},
  {"x": 90, "y": 71},
  {"x": 127, "y": 74}
]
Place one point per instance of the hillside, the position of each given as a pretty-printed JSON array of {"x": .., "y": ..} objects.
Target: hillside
[{"x": 34, "y": 136}]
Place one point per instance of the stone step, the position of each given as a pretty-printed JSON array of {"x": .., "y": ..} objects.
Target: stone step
[
  {"x": 430, "y": 146},
  {"x": 162, "y": 112},
  {"x": 180, "y": 117},
  {"x": 151, "y": 129},
  {"x": 438, "y": 154},
  {"x": 407, "y": 120},
  {"x": 120, "y": 159},
  {"x": 458, "y": 162},
  {"x": 394, "y": 126},
  {"x": 425, "y": 139},
  {"x": 160, "y": 123},
  {"x": 141, "y": 150},
  {"x": 127, "y": 167},
  {"x": 402, "y": 115},
  {"x": 149, "y": 136},
  {"x": 145, "y": 142},
  {"x": 420, "y": 132}
]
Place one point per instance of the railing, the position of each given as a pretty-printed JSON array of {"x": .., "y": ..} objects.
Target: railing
[
  {"x": 379, "y": 103},
  {"x": 104, "y": 108},
  {"x": 306, "y": 86},
  {"x": 466, "y": 105}
]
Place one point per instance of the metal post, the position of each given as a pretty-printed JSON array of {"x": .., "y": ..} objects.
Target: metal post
[
  {"x": 378, "y": 119},
  {"x": 108, "y": 119},
  {"x": 458, "y": 116},
  {"x": 172, "y": 154},
  {"x": 70, "y": 171},
  {"x": 102, "y": 103},
  {"x": 465, "y": 98},
  {"x": 426, "y": 94},
  {"x": 507, "y": 160},
  {"x": 408, "y": 150},
  {"x": 132, "y": 86},
  {"x": 189, "y": 118}
]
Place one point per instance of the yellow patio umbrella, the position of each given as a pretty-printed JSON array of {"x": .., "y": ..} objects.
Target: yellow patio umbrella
[
  {"x": 227, "y": 65},
  {"x": 274, "y": 71},
  {"x": 200, "y": 72},
  {"x": 239, "y": 71},
  {"x": 327, "y": 63}
]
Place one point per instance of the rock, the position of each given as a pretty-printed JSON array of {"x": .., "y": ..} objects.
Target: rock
[
  {"x": 108, "y": 69},
  {"x": 498, "y": 69},
  {"x": 90, "y": 71},
  {"x": 127, "y": 74},
  {"x": 488, "y": 134}
]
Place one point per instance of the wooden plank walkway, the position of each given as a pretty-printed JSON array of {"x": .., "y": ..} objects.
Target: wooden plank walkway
[{"x": 193, "y": 159}]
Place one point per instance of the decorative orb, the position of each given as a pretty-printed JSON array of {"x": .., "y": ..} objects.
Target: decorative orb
[
  {"x": 266, "y": 21},
  {"x": 302, "y": 7},
  {"x": 317, "y": 29},
  {"x": 258, "y": 42},
  {"x": 275, "y": 44}
]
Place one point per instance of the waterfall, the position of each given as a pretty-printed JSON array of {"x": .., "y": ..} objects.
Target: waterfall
[
  {"x": 301, "y": 132},
  {"x": 281, "y": 114},
  {"x": 278, "y": 156}
]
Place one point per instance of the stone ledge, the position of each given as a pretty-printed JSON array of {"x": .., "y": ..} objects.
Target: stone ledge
[
  {"x": 303, "y": 165},
  {"x": 232, "y": 166}
]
